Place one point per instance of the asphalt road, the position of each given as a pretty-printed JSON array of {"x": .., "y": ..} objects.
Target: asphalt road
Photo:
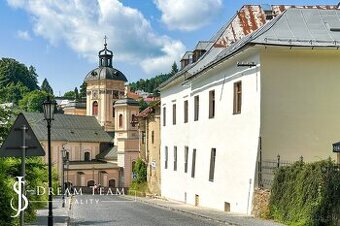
[{"x": 114, "y": 210}]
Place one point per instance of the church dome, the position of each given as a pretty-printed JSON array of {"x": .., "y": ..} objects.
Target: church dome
[
  {"x": 102, "y": 73},
  {"x": 105, "y": 69}
]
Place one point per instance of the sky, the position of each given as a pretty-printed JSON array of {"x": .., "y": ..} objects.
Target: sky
[{"x": 61, "y": 38}]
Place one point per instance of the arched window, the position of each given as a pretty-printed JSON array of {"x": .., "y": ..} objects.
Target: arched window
[
  {"x": 120, "y": 121},
  {"x": 90, "y": 183},
  {"x": 87, "y": 156},
  {"x": 68, "y": 155},
  {"x": 112, "y": 183},
  {"x": 133, "y": 120},
  {"x": 133, "y": 165},
  {"x": 95, "y": 108}
]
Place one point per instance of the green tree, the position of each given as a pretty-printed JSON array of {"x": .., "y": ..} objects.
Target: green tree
[
  {"x": 76, "y": 93},
  {"x": 13, "y": 93},
  {"x": 5, "y": 122},
  {"x": 174, "y": 69},
  {"x": 82, "y": 92},
  {"x": 12, "y": 72},
  {"x": 32, "y": 101},
  {"x": 142, "y": 105},
  {"x": 150, "y": 85},
  {"x": 45, "y": 86},
  {"x": 140, "y": 171},
  {"x": 33, "y": 76},
  {"x": 70, "y": 95}
]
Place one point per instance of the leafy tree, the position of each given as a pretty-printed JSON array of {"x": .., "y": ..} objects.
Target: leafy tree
[
  {"x": 140, "y": 171},
  {"x": 142, "y": 105},
  {"x": 13, "y": 72},
  {"x": 36, "y": 174},
  {"x": 13, "y": 93},
  {"x": 70, "y": 95},
  {"x": 5, "y": 122},
  {"x": 32, "y": 102},
  {"x": 45, "y": 86}
]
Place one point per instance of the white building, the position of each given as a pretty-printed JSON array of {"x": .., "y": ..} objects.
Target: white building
[{"x": 273, "y": 92}]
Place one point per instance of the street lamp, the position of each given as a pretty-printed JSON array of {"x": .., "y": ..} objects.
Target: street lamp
[
  {"x": 63, "y": 153},
  {"x": 68, "y": 184},
  {"x": 48, "y": 107}
]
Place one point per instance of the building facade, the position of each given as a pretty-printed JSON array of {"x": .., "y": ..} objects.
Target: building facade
[
  {"x": 149, "y": 144},
  {"x": 270, "y": 92},
  {"x": 89, "y": 149},
  {"x": 105, "y": 85}
]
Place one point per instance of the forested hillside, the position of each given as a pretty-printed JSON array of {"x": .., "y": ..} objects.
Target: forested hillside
[{"x": 150, "y": 85}]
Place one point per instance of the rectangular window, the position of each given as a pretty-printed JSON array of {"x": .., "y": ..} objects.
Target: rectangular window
[
  {"x": 212, "y": 104},
  {"x": 164, "y": 116},
  {"x": 152, "y": 137},
  {"x": 212, "y": 164},
  {"x": 196, "y": 107},
  {"x": 175, "y": 158},
  {"x": 166, "y": 157},
  {"x": 186, "y": 154},
  {"x": 193, "y": 166},
  {"x": 237, "y": 97},
  {"x": 186, "y": 109},
  {"x": 174, "y": 114}
]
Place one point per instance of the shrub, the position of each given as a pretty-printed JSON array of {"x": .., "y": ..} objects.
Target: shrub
[
  {"x": 140, "y": 171},
  {"x": 306, "y": 194}
]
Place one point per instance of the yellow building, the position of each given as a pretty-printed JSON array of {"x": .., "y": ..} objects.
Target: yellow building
[
  {"x": 89, "y": 149},
  {"x": 149, "y": 143}
]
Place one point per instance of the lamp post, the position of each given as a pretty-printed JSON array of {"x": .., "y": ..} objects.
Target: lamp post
[
  {"x": 63, "y": 153},
  {"x": 48, "y": 107},
  {"x": 68, "y": 184}
]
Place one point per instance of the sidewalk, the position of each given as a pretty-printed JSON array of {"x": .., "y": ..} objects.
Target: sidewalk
[
  {"x": 60, "y": 214},
  {"x": 211, "y": 214}
]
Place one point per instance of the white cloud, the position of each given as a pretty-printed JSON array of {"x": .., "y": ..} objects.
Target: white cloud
[
  {"x": 24, "y": 35},
  {"x": 188, "y": 15},
  {"x": 82, "y": 24}
]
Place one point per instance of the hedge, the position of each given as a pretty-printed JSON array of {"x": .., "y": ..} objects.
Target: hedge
[{"x": 306, "y": 194}]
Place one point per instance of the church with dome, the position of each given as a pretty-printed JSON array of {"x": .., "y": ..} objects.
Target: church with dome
[{"x": 99, "y": 137}]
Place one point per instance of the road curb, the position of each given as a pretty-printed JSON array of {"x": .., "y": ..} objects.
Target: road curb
[{"x": 182, "y": 211}]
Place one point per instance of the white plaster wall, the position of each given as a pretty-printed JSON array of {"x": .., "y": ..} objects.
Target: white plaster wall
[{"x": 235, "y": 137}]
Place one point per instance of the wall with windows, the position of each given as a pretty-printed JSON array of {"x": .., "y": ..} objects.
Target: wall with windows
[
  {"x": 100, "y": 99},
  {"x": 230, "y": 137},
  {"x": 76, "y": 152}
]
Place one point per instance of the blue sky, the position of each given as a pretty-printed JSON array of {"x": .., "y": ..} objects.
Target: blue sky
[{"x": 61, "y": 39}]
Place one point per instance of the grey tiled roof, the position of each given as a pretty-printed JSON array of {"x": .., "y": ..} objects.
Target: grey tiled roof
[
  {"x": 303, "y": 27},
  {"x": 72, "y": 128},
  {"x": 296, "y": 27},
  {"x": 108, "y": 154}
]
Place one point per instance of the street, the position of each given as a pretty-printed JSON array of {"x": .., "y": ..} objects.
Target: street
[{"x": 114, "y": 210}]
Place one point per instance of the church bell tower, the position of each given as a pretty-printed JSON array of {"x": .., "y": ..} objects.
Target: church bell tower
[{"x": 105, "y": 85}]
